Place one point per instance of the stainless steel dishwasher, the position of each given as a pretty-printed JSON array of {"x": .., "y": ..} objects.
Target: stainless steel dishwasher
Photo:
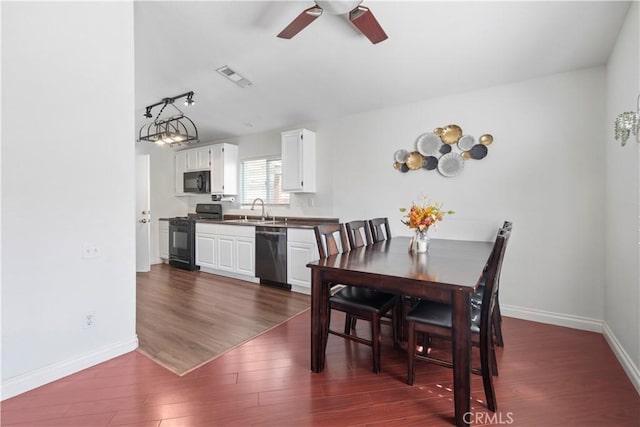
[{"x": 271, "y": 256}]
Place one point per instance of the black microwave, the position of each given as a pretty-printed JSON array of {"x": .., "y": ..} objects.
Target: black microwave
[{"x": 197, "y": 182}]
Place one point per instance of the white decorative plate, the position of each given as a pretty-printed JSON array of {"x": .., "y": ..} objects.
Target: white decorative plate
[
  {"x": 450, "y": 164},
  {"x": 428, "y": 144},
  {"x": 466, "y": 142},
  {"x": 401, "y": 156}
]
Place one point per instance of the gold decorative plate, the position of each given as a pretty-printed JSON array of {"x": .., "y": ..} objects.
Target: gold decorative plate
[
  {"x": 486, "y": 139},
  {"x": 451, "y": 134},
  {"x": 415, "y": 160}
]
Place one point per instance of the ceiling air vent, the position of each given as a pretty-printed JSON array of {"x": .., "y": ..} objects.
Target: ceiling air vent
[{"x": 234, "y": 77}]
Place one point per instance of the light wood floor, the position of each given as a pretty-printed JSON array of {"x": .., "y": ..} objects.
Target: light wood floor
[
  {"x": 549, "y": 376},
  {"x": 185, "y": 318}
]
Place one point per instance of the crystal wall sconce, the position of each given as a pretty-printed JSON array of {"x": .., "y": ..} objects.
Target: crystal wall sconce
[{"x": 627, "y": 124}]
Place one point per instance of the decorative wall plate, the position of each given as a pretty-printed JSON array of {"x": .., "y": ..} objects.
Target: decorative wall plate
[
  {"x": 430, "y": 163},
  {"x": 415, "y": 160},
  {"x": 401, "y": 156},
  {"x": 428, "y": 144},
  {"x": 466, "y": 142},
  {"x": 478, "y": 151},
  {"x": 451, "y": 134},
  {"x": 486, "y": 139},
  {"x": 450, "y": 165}
]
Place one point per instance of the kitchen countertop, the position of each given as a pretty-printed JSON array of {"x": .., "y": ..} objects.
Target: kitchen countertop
[{"x": 287, "y": 222}]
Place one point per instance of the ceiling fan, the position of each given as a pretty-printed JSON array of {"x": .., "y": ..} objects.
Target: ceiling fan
[{"x": 360, "y": 16}]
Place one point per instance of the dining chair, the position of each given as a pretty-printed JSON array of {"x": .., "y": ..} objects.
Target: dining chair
[
  {"x": 380, "y": 229},
  {"x": 359, "y": 235},
  {"x": 356, "y": 302},
  {"x": 476, "y": 298},
  {"x": 435, "y": 319}
]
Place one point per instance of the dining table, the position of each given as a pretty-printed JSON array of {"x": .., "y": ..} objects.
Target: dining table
[{"x": 449, "y": 271}]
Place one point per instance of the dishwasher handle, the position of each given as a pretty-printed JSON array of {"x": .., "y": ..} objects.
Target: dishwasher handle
[{"x": 271, "y": 232}]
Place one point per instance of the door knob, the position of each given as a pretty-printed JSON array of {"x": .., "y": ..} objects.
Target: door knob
[{"x": 144, "y": 220}]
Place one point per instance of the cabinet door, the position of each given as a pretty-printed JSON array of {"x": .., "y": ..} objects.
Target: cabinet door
[
  {"x": 163, "y": 239},
  {"x": 217, "y": 169},
  {"x": 206, "y": 250},
  {"x": 181, "y": 168},
  {"x": 198, "y": 159},
  {"x": 245, "y": 256},
  {"x": 301, "y": 248},
  {"x": 292, "y": 161},
  {"x": 226, "y": 253}
]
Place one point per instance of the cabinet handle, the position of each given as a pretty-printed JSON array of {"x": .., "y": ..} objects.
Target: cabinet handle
[{"x": 301, "y": 183}]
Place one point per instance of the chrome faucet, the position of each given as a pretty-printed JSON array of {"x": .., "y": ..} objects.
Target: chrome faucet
[{"x": 253, "y": 205}]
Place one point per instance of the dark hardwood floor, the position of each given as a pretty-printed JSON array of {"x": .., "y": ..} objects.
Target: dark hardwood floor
[{"x": 549, "y": 376}]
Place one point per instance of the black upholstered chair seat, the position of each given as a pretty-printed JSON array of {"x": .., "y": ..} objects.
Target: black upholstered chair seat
[
  {"x": 364, "y": 299},
  {"x": 440, "y": 314}
]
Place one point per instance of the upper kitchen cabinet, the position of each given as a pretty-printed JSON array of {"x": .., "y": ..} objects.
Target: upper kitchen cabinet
[
  {"x": 299, "y": 161},
  {"x": 198, "y": 159},
  {"x": 224, "y": 169}
]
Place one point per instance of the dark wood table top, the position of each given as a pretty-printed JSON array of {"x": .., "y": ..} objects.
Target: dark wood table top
[{"x": 448, "y": 264}]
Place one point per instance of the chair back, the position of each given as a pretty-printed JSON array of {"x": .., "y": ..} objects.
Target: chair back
[
  {"x": 358, "y": 233},
  {"x": 380, "y": 229},
  {"x": 492, "y": 281},
  {"x": 327, "y": 237}
]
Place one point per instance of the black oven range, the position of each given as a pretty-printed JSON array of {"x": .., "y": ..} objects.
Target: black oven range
[{"x": 182, "y": 235}]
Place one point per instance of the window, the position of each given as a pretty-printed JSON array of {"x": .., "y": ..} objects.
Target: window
[{"x": 262, "y": 178}]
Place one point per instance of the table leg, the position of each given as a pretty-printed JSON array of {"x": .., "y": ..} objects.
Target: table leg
[
  {"x": 462, "y": 357},
  {"x": 319, "y": 319}
]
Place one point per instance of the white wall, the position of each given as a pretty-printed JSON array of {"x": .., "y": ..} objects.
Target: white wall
[
  {"x": 67, "y": 181},
  {"x": 622, "y": 203}
]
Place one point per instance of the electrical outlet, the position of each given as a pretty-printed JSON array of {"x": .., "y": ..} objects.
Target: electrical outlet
[
  {"x": 88, "y": 320},
  {"x": 90, "y": 251}
]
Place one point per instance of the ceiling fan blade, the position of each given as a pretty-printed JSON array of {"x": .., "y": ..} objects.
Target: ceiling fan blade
[
  {"x": 301, "y": 21},
  {"x": 364, "y": 20}
]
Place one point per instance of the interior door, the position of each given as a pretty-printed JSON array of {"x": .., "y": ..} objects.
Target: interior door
[{"x": 143, "y": 214}]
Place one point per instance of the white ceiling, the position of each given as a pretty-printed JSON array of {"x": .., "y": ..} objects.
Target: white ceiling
[{"x": 330, "y": 69}]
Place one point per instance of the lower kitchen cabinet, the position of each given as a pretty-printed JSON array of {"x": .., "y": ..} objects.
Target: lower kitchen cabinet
[
  {"x": 206, "y": 246},
  {"x": 301, "y": 248},
  {"x": 163, "y": 239},
  {"x": 226, "y": 249}
]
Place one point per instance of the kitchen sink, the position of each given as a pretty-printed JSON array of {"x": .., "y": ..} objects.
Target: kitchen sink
[{"x": 256, "y": 221}]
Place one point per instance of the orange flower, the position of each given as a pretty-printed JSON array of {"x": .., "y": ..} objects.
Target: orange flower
[{"x": 424, "y": 216}]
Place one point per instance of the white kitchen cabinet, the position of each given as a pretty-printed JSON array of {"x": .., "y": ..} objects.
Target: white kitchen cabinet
[
  {"x": 163, "y": 239},
  {"x": 226, "y": 249},
  {"x": 207, "y": 245},
  {"x": 245, "y": 255},
  {"x": 301, "y": 248},
  {"x": 181, "y": 168},
  {"x": 198, "y": 159},
  {"x": 224, "y": 169},
  {"x": 299, "y": 161}
]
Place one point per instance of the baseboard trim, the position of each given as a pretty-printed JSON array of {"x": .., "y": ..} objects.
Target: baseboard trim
[
  {"x": 21, "y": 383},
  {"x": 230, "y": 274},
  {"x": 627, "y": 364},
  {"x": 541, "y": 316}
]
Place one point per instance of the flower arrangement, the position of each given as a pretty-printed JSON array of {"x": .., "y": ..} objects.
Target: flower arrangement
[{"x": 422, "y": 216}]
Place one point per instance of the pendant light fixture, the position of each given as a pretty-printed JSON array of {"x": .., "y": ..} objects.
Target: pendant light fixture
[{"x": 173, "y": 130}]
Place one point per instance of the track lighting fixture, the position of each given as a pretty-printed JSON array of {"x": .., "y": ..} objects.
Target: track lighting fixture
[{"x": 173, "y": 130}]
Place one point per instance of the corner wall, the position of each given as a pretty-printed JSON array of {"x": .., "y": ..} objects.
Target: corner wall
[
  {"x": 622, "y": 203},
  {"x": 67, "y": 76}
]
